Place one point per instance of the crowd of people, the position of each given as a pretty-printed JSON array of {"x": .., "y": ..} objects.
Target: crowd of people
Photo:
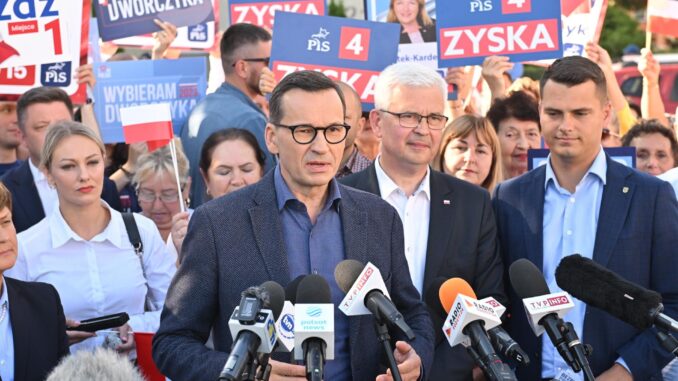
[{"x": 423, "y": 187}]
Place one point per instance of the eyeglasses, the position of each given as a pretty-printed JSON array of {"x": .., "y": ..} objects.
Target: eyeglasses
[
  {"x": 265, "y": 60},
  {"x": 150, "y": 197},
  {"x": 305, "y": 134},
  {"x": 413, "y": 120}
]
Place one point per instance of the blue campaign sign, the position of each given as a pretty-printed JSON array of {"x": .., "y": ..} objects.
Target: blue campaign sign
[
  {"x": 525, "y": 30},
  {"x": 125, "y": 18},
  {"x": 182, "y": 83},
  {"x": 352, "y": 51}
]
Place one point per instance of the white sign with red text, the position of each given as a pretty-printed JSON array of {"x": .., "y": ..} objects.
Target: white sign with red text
[
  {"x": 262, "y": 12},
  {"x": 537, "y": 307},
  {"x": 368, "y": 280}
]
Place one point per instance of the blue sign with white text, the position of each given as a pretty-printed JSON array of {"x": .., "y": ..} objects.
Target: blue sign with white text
[
  {"x": 182, "y": 83},
  {"x": 125, "y": 18},
  {"x": 525, "y": 30},
  {"x": 352, "y": 51}
]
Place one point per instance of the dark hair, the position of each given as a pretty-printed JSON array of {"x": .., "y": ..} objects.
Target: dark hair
[
  {"x": 225, "y": 135},
  {"x": 41, "y": 95},
  {"x": 518, "y": 104},
  {"x": 5, "y": 197},
  {"x": 237, "y": 36},
  {"x": 575, "y": 70},
  {"x": 652, "y": 126},
  {"x": 306, "y": 80}
]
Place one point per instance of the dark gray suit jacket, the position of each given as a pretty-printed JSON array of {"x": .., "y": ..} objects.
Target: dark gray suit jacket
[
  {"x": 235, "y": 242},
  {"x": 462, "y": 242}
]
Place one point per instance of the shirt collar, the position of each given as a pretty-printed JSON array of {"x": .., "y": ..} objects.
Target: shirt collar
[
  {"x": 387, "y": 186},
  {"x": 4, "y": 297},
  {"x": 598, "y": 168},
  {"x": 284, "y": 194},
  {"x": 229, "y": 88},
  {"x": 62, "y": 233},
  {"x": 38, "y": 175}
]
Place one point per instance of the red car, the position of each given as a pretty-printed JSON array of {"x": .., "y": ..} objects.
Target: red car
[{"x": 631, "y": 83}]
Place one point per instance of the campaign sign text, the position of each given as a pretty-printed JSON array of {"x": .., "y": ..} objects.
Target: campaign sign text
[
  {"x": 124, "y": 18},
  {"x": 525, "y": 30},
  {"x": 353, "y": 51},
  {"x": 262, "y": 12},
  {"x": 181, "y": 83},
  {"x": 43, "y": 44}
]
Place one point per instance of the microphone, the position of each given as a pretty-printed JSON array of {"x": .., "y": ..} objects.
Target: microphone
[
  {"x": 252, "y": 326},
  {"x": 466, "y": 323},
  {"x": 545, "y": 312},
  {"x": 366, "y": 293},
  {"x": 314, "y": 325},
  {"x": 601, "y": 288},
  {"x": 284, "y": 326}
]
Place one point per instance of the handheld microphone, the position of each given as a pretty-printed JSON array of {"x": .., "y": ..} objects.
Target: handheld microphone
[
  {"x": 601, "y": 288},
  {"x": 252, "y": 326},
  {"x": 284, "y": 326},
  {"x": 466, "y": 324},
  {"x": 366, "y": 293},
  {"x": 545, "y": 312},
  {"x": 314, "y": 325}
]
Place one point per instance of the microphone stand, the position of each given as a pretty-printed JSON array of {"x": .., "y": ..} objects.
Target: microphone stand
[
  {"x": 578, "y": 350},
  {"x": 667, "y": 341},
  {"x": 385, "y": 339}
]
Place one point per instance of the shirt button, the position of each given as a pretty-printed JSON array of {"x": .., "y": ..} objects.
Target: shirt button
[
  {"x": 569, "y": 232},
  {"x": 571, "y": 200}
]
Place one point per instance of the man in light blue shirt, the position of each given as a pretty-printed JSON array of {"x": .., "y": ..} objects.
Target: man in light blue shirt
[{"x": 585, "y": 203}]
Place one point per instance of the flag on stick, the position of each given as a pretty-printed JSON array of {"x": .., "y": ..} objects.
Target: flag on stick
[
  {"x": 569, "y": 6},
  {"x": 662, "y": 17},
  {"x": 150, "y": 123}
]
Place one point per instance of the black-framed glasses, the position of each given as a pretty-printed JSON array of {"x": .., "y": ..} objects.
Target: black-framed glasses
[
  {"x": 305, "y": 134},
  {"x": 413, "y": 120},
  {"x": 265, "y": 60}
]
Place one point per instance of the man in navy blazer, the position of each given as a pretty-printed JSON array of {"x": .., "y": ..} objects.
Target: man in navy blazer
[
  {"x": 36, "y": 110},
  {"x": 295, "y": 221},
  {"x": 583, "y": 202}
]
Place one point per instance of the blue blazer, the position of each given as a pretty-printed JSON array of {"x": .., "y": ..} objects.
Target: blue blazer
[
  {"x": 27, "y": 209},
  {"x": 235, "y": 242},
  {"x": 636, "y": 238}
]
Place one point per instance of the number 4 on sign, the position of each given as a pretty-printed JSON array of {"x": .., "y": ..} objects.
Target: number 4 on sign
[
  {"x": 516, "y": 6},
  {"x": 355, "y": 43}
]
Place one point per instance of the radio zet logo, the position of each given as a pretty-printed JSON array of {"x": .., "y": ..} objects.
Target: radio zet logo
[
  {"x": 55, "y": 74},
  {"x": 516, "y": 6}
]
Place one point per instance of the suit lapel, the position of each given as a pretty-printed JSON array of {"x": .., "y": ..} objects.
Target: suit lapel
[
  {"x": 267, "y": 230},
  {"x": 441, "y": 223},
  {"x": 21, "y": 320},
  {"x": 29, "y": 200},
  {"x": 614, "y": 206},
  {"x": 532, "y": 205}
]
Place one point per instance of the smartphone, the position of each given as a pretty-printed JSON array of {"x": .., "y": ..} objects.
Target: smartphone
[{"x": 103, "y": 322}]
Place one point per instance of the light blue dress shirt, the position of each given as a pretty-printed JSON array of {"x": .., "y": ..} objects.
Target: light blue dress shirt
[
  {"x": 569, "y": 226},
  {"x": 6, "y": 337}
]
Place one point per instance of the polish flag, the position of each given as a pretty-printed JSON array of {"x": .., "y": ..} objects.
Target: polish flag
[
  {"x": 150, "y": 123},
  {"x": 6, "y": 51},
  {"x": 569, "y": 6},
  {"x": 662, "y": 17}
]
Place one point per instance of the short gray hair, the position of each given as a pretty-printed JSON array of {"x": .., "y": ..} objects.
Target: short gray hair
[
  {"x": 405, "y": 74},
  {"x": 61, "y": 130},
  {"x": 152, "y": 164},
  {"x": 101, "y": 365}
]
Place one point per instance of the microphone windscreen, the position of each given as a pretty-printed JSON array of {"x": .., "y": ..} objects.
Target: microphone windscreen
[
  {"x": 450, "y": 289},
  {"x": 527, "y": 280},
  {"x": 313, "y": 289},
  {"x": 599, "y": 287},
  {"x": 347, "y": 272},
  {"x": 432, "y": 297},
  {"x": 291, "y": 289},
  {"x": 276, "y": 297}
]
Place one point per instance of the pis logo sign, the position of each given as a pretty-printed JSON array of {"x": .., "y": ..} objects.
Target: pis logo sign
[
  {"x": 318, "y": 41},
  {"x": 197, "y": 33},
  {"x": 56, "y": 74}
]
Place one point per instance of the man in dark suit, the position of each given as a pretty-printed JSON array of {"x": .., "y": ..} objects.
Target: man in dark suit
[
  {"x": 32, "y": 324},
  {"x": 295, "y": 221},
  {"x": 583, "y": 202},
  {"x": 32, "y": 196},
  {"x": 449, "y": 224}
]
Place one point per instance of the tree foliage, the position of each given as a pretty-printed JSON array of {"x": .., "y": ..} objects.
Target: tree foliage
[
  {"x": 336, "y": 8},
  {"x": 620, "y": 30}
]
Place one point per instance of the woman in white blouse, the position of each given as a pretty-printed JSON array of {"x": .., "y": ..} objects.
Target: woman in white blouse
[{"x": 82, "y": 248}]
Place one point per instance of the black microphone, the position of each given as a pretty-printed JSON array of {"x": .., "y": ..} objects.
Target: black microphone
[
  {"x": 252, "y": 326},
  {"x": 504, "y": 344},
  {"x": 347, "y": 273},
  {"x": 314, "y": 324},
  {"x": 601, "y": 288},
  {"x": 528, "y": 282}
]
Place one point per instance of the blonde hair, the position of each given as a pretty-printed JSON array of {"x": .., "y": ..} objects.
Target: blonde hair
[
  {"x": 422, "y": 16},
  {"x": 153, "y": 164},
  {"x": 101, "y": 365},
  {"x": 62, "y": 130},
  {"x": 462, "y": 127}
]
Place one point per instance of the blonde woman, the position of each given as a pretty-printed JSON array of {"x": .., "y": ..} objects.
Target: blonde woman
[
  {"x": 469, "y": 150},
  {"x": 82, "y": 248},
  {"x": 415, "y": 24}
]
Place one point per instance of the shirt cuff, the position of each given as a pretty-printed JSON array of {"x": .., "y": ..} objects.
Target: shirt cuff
[{"x": 621, "y": 362}]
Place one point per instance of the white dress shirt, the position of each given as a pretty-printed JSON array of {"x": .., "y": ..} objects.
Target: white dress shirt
[
  {"x": 101, "y": 276},
  {"x": 414, "y": 212},
  {"x": 6, "y": 337},
  {"x": 48, "y": 195}
]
